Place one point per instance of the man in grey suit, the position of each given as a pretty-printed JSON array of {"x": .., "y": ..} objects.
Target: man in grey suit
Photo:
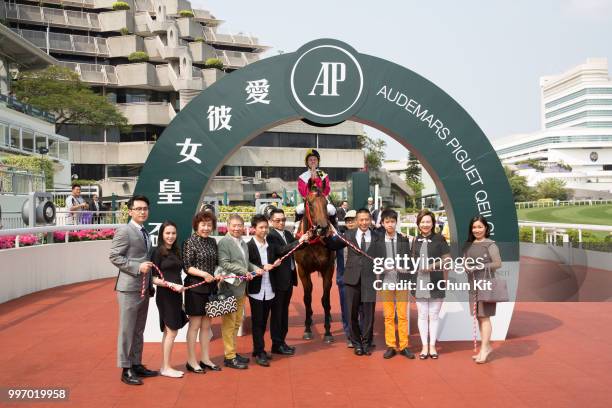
[
  {"x": 130, "y": 253},
  {"x": 234, "y": 260}
]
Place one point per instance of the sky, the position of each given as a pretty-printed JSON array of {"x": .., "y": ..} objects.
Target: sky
[{"x": 488, "y": 55}]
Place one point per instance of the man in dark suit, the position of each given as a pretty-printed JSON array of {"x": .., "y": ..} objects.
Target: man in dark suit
[
  {"x": 130, "y": 252},
  {"x": 359, "y": 280},
  {"x": 285, "y": 280},
  {"x": 263, "y": 288},
  {"x": 341, "y": 214},
  {"x": 95, "y": 206}
]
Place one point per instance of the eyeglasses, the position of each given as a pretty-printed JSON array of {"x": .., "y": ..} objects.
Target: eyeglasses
[
  {"x": 279, "y": 220},
  {"x": 140, "y": 209}
]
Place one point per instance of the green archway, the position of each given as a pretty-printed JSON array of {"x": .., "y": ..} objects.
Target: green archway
[{"x": 326, "y": 82}]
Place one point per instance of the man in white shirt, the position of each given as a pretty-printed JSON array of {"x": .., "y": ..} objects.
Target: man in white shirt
[
  {"x": 75, "y": 204},
  {"x": 261, "y": 288}
]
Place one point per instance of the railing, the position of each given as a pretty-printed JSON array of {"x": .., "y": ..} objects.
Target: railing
[
  {"x": 28, "y": 109},
  {"x": 96, "y": 73},
  {"x": 20, "y": 181},
  {"x": 213, "y": 36},
  {"x": 52, "y": 16},
  {"x": 552, "y": 203},
  {"x": 65, "y": 42},
  {"x": 144, "y": 5},
  {"x": 14, "y": 220}
]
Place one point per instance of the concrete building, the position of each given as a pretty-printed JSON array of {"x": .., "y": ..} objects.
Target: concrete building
[
  {"x": 575, "y": 140},
  {"x": 24, "y": 130},
  {"x": 99, "y": 42},
  {"x": 430, "y": 196}
]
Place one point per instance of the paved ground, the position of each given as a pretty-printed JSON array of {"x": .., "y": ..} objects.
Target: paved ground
[{"x": 556, "y": 355}]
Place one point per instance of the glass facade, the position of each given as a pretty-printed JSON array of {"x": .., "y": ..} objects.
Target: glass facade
[
  {"x": 587, "y": 91},
  {"x": 555, "y": 139},
  {"x": 287, "y": 139}
]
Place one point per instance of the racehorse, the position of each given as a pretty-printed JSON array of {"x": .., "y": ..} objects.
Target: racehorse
[{"x": 316, "y": 257}]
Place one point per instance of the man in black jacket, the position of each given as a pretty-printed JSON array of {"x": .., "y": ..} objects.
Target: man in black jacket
[
  {"x": 285, "y": 280},
  {"x": 359, "y": 280}
]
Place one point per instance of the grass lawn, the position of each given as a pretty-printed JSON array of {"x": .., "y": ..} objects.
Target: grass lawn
[{"x": 577, "y": 214}]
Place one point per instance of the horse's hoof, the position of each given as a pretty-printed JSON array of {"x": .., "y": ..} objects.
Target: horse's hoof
[
  {"x": 307, "y": 336},
  {"x": 328, "y": 339}
]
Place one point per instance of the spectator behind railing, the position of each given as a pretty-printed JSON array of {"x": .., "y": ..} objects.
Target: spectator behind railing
[{"x": 74, "y": 205}]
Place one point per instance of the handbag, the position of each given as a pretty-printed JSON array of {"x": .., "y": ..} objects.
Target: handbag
[
  {"x": 498, "y": 291},
  {"x": 221, "y": 303}
]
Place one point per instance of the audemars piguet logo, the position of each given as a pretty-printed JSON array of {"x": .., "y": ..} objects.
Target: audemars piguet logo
[{"x": 327, "y": 81}]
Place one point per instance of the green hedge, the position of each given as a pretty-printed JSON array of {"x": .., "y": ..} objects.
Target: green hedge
[
  {"x": 138, "y": 56},
  {"x": 214, "y": 63},
  {"x": 186, "y": 13},
  {"x": 120, "y": 5},
  {"x": 33, "y": 164}
]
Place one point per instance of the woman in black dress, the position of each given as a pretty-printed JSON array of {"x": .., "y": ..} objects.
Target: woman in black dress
[
  {"x": 200, "y": 257},
  {"x": 169, "y": 297}
]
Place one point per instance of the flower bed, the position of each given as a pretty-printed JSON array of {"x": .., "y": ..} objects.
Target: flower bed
[
  {"x": 8, "y": 241},
  {"x": 84, "y": 235}
]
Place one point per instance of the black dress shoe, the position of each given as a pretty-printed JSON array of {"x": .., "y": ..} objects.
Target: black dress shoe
[
  {"x": 243, "y": 359},
  {"x": 358, "y": 351},
  {"x": 283, "y": 350},
  {"x": 210, "y": 367},
  {"x": 234, "y": 363},
  {"x": 142, "y": 371},
  {"x": 367, "y": 351},
  {"x": 389, "y": 353},
  {"x": 289, "y": 347},
  {"x": 262, "y": 360},
  {"x": 407, "y": 353},
  {"x": 198, "y": 370},
  {"x": 129, "y": 377}
]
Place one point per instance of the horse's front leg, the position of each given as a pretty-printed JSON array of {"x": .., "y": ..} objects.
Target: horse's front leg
[
  {"x": 326, "y": 302},
  {"x": 307, "y": 285}
]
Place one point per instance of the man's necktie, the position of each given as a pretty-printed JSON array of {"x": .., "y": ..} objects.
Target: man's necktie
[
  {"x": 363, "y": 242},
  {"x": 145, "y": 236}
]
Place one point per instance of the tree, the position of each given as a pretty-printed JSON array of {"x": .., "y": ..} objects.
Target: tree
[
  {"x": 374, "y": 149},
  {"x": 552, "y": 188},
  {"x": 518, "y": 184},
  {"x": 413, "y": 178},
  {"x": 59, "y": 90}
]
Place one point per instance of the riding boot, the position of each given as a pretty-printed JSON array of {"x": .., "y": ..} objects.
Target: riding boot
[
  {"x": 298, "y": 217},
  {"x": 334, "y": 221}
]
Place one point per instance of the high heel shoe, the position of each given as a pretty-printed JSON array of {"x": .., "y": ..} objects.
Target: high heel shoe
[
  {"x": 198, "y": 370},
  {"x": 210, "y": 367},
  {"x": 485, "y": 359},
  {"x": 423, "y": 356}
]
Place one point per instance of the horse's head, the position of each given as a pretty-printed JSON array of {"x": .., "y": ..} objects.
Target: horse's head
[{"x": 315, "y": 210}]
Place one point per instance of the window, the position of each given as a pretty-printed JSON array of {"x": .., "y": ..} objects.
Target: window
[
  {"x": 27, "y": 140},
  {"x": 607, "y": 167},
  {"x": 40, "y": 141},
  {"x": 337, "y": 141},
  {"x": 127, "y": 170},
  {"x": 266, "y": 139},
  {"x": 4, "y": 135},
  {"x": 53, "y": 147},
  {"x": 15, "y": 138},
  {"x": 233, "y": 171},
  {"x": 63, "y": 151},
  {"x": 298, "y": 140},
  {"x": 88, "y": 171},
  {"x": 77, "y": 133}
]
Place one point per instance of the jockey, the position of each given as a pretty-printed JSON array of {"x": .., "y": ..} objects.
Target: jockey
[{"x": 312, "y": 179}]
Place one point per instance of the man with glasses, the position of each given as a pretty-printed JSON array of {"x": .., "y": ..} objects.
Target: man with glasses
[
  {"x": 286, "y": 279},
  {"x": 130, "y": 251}
]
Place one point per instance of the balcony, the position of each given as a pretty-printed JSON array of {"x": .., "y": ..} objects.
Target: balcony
[
  {"x": 143, "y": 75},
  {"x": 200, "y": 51},
  {"x": 97, "y": 74},
  {"x": 236, "y": 59},
  {"x": 204, "y": 16},
  {"x": 142, "y": 113},
  {"x": 189, "y": 28},
  {"x": 116, "y": 20},
  {"x": 66, "y": 43},
  {"x": 123, "y": 46},
  {"x": 53, "y": 17},
  {"x": 234, "y": 40}
]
